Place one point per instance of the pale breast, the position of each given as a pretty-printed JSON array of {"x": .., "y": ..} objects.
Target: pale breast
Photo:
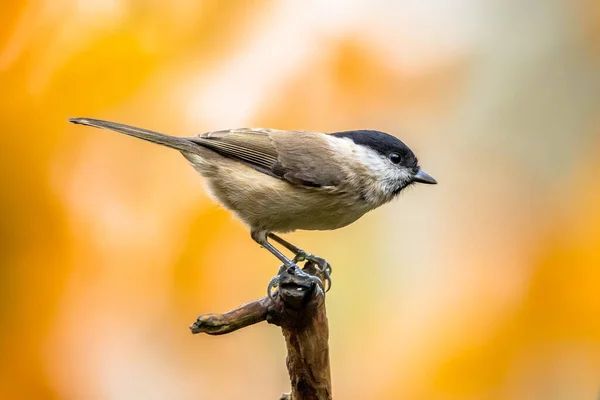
[{"x": 268, "y": 203}]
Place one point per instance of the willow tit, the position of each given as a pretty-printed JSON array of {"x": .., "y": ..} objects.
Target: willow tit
[{"x": 279, "y": 181}]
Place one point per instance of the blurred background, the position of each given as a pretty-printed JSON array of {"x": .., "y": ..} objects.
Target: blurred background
[{"x": 486, "y": 286}]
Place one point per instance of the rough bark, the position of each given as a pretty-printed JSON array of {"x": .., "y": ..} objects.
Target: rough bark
[{"x": 298, "y": 307}]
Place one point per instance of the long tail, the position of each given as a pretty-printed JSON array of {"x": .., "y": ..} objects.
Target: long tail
[{"x": 178, "y": 143}]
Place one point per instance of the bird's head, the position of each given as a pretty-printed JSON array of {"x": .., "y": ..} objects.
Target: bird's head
[{"x": 392, "y": 163}]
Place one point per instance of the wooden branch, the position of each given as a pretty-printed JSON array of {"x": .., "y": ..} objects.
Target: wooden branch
[
  {"x": 298, "y": 307},
  {"x": 243, "y": 316}
]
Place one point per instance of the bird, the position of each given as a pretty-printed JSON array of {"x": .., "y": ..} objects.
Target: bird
[{"x": 278, "y": 181}]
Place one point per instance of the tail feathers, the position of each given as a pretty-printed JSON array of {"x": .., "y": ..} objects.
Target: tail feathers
[{"x": 178, "y": 143}]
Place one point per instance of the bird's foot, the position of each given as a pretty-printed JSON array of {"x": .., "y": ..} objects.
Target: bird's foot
[
  {"x": 276, "y": 281},
  {"x": 323, "y": 265}
]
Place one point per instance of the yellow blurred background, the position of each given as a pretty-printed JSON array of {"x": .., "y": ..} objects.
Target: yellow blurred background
[{"x": 486, "y": 286}]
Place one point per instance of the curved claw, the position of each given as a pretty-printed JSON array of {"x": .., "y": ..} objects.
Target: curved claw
[
  {"x": 324, "y": 266},
  {"x": 273, "y": 283},
  {"x": 321, "y": 263},
  {"x": 319, "y": 283},
  {"x": 327, "y": 274},
  {"x": 328, "y": 280}
]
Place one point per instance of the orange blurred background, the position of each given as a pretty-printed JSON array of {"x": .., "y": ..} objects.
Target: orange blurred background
[{"x": 486, "y": 286}]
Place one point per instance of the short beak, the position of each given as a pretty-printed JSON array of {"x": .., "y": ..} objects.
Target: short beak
[{"x": 423, "y": 177}]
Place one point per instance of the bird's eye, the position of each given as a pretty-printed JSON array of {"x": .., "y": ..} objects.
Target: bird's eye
[{"x": 395, "y": 158}]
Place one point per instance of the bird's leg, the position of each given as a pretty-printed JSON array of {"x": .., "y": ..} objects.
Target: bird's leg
[
  {"x": 301, "y": 255},
  {"x": 260, "y": 237}
]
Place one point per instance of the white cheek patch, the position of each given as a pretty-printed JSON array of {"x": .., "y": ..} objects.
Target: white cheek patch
[
  {"x": 388, "y": 176},
  {"x": 384, "y": 177}
]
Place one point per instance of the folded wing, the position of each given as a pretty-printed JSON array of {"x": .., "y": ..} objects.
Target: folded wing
[{"x": 299, "y": 157}]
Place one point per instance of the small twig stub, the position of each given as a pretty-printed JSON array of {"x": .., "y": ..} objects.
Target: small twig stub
[{"x": 298, "y": 307}]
